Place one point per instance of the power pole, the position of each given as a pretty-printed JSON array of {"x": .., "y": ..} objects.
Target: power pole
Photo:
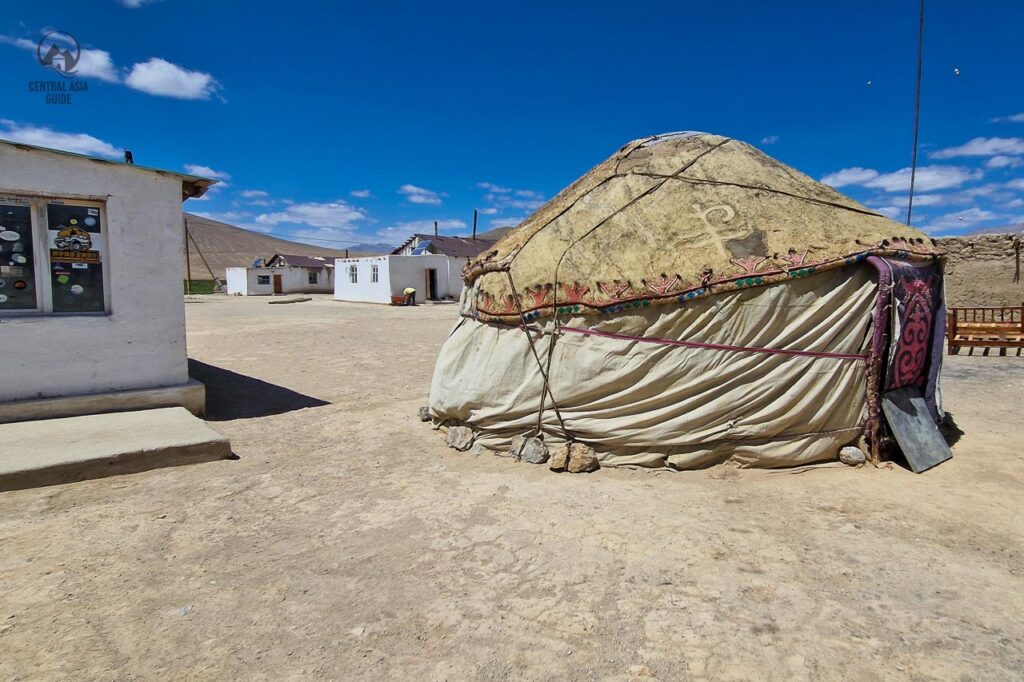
[
  {"x": 917, "y": 111},
  {"x": 188, "y": 261}
]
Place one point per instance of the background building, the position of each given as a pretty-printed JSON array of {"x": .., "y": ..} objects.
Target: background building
[
  {"x": 283, "y": 274},
  {"x": 430, "y": 264}
]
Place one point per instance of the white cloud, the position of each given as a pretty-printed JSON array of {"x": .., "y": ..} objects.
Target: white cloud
[
  {"x": 507, "y": 222},
  {"x": 91, "y": 63},
  {"x": 23, "y": 43},
  {"x": 769, "y": 139},
  {"x": 961, "y": 220},
  {"x": 489, "y": 211},
  {"x": 892, "y": 211},
  {"x": 1012, "y": 118},
  {"x": 1017, "y": 183},
  {"x": 97, "y": 64},
  {"x": 491, "y": 187},
  {"x": 983, "y": 146},
  {"x": 420, "y": 195},
  {"x": 230, "y": 217},
  {"x": 1001, "y": 161},
  {"x": 135, "y": 4},
  {"x": 160, "y": 77},
  {"x": 207, "y": 172},
  {"x": 80, "y": 143},
  {"x": 254, "y": 194},
  {"x": 361, "y": 193},
  {"x": 339, "y": 215},
  {"x": 928, "y": 178},
  {"x": 850, "y": 176},
  {"x": 399, "y": 232},
  {"x": 1016, "y": 203}
]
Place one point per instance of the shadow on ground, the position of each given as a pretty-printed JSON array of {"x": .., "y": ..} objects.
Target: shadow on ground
[{"x": 230, "y": 395}]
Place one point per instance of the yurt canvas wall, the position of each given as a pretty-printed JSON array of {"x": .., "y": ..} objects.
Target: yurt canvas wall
[{"x": 690, "y": 301}]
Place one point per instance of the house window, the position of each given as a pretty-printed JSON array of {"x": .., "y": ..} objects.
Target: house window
[
  {"x": 312, "y": 277},
  {"x": 353, "y": 275},
  {"x": 52, "y": 254},
  {"x": 263, "y": 280},
  {"x": 374, "y": 274}
]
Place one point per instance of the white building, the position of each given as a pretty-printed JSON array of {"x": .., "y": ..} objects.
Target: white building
[
  {"x": 91, "y": 306},
  {"x": 283, "y": 274},
  {"x": 429, "y": 264}
]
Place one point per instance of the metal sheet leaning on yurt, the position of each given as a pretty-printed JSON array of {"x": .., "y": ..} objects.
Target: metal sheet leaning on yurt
[{"x": 654, "y": 405}]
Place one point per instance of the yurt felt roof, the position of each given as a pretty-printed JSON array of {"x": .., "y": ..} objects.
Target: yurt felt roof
[{"x": 674, "y": 217}]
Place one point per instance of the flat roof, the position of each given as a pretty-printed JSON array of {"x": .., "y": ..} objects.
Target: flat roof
[{"x": 192, "y": 186}]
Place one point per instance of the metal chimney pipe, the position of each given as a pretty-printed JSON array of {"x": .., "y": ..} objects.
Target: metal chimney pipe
[
  {"x": 435, "y": 228},
  {"x": 474, "y": 223}
]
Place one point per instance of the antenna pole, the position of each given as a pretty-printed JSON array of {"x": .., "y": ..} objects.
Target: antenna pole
[{"x": 917, "y": 112}]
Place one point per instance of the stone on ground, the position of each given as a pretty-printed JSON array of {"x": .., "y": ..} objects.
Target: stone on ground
[
  {"x": 424, "y": 414},
  {"x": 582, "y": 459},
  {"x": 852, "y": 456},
  {"x": 529, "y": 450},
  {"x": 460, "y": 438},
  {"x": 576, "y": 458}
]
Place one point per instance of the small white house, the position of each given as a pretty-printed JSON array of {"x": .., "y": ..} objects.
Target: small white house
[
  {"x": 283, "y": 274},
  {"x": 91, "y": 306},
  {"x": 430, "y": 264}
]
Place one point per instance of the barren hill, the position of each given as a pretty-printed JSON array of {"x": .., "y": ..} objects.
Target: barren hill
[{"x": 226, "y": 246}]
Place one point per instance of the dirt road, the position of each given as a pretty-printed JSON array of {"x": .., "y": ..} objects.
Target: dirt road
[{"x": 347, "y": 542}]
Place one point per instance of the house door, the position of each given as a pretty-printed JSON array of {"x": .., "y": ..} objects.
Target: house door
[
  {"x": 277, "y": 285},
  {"x": 431, "y": 284}
]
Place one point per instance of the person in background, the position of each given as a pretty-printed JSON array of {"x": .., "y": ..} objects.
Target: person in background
[{"x": 410, "y": 296}]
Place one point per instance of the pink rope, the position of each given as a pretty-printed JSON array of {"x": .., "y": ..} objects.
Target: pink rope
[
  {"x": 697, "y": 344},
  {"x": 714, "y": 346}
]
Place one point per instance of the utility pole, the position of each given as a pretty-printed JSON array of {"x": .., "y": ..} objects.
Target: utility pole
[
  {"x": 188, "y": 261},
  {"x": 917, "y": 111}
]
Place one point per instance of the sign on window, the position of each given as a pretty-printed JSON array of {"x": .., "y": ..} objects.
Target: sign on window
[
  {"x": 76, "y": 258},
  {"x": 17, "y": 259}
]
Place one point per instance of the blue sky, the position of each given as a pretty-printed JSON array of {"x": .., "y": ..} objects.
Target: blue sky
[{"x": 365, "y": 121}]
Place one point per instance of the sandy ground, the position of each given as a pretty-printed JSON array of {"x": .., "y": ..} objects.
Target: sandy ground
[{"x": 347, "y": 542}]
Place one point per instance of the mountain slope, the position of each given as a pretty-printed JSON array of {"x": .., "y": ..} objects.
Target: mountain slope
[{"x": 226, "y": 246}]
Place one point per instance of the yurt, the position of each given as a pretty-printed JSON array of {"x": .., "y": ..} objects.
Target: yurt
[{"x": 689, "y": 302}]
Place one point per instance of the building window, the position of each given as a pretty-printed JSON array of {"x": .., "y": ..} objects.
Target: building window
[
  {"x": 263, "y": 279},
  {"x": 374, "y": 274},
  {"x": 353, "y": 274},
  {"x": 312, "y": 277},
  {"x": 52, "y": 254}
]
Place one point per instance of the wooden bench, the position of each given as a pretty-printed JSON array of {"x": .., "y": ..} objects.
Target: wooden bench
[{"x": 984, "y": 327}]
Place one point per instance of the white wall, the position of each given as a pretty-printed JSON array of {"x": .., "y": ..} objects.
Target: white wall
[
  {"x": 141, "y": 343},
  {"x": 294, "y": 280},
  {"x": 395, "y": 274},
  {"x": 363, "y": 290}
]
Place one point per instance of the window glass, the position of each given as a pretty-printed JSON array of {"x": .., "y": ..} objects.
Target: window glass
[
  {"x": 76, "y": 258},
  {"x": 262, "y": 279},
  {"x": 312, "y": 278},
  {"x": 374, "y": 274},
  {"x": 17, "y": 262},
  {"x": 352, "y": 276}
]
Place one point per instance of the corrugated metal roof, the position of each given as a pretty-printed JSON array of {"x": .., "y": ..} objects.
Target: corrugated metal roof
[
  {"x": 302, "y": 261},
  {"x": 459, "y": 247}
]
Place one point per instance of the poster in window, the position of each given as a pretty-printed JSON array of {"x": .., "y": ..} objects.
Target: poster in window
[
  {"x": 75, "y": 236},
  {"x": 17, "y": 262}
]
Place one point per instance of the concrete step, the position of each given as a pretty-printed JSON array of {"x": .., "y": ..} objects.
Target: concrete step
[{"x": 52, "y": 451}]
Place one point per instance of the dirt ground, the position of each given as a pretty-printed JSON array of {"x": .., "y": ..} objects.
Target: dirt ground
[{"x": 346, "y": 542}]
